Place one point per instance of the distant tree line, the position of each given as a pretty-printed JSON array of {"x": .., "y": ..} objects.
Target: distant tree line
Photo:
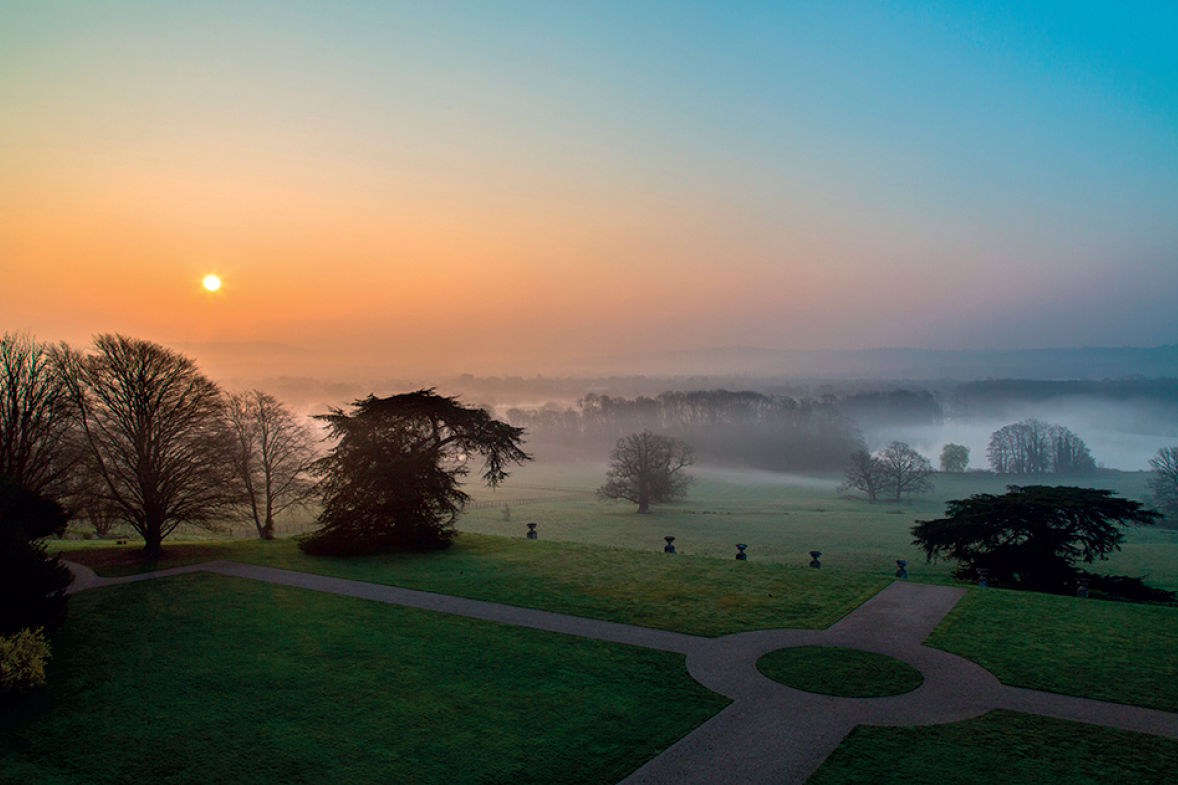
[{"x": 751, "y": 429}]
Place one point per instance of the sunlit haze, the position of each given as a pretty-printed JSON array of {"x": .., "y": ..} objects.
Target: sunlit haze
[{"x": 444, "y": 187}]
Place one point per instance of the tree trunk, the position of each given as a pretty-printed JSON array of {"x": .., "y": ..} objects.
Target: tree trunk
[
  {"x": 266, "y": 532},
  {"x": 153, "y": 542}
]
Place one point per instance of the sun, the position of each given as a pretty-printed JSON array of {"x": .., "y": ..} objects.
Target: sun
[{"x": 212, "y": 283}]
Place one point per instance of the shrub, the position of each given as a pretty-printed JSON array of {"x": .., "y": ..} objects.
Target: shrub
[{"x": 22, "y": 661}]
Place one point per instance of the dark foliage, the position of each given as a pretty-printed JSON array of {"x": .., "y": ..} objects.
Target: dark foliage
[
  {"x": 1030, "y": 537},
  {"x": 393, "y": 480},
  {"x": 32, "y": 584}
]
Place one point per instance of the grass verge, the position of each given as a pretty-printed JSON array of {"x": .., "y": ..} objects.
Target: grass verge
[
  {"x": 1097, "y": 649},
  {"x": 208, "y": 679},
  {"x": 1001, "y": 746},
  {"x": 834, "y": 670},
  {"x": 699, "y": 595}
]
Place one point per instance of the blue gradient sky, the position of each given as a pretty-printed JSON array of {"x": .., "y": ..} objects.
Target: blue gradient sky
[{"x": 470, "y": 184}]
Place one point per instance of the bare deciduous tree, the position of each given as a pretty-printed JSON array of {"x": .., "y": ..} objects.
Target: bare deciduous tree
[
  {"x": 273, "y": 455},
  {"x": 1035, "y": 447},
  {"x": 37, "y": 448},
  {"x": 155, "y": 433},
  {"x": 864, "y": 472},
  {"x": 904, "y": 470},
  {"x": 646, "y": 469},
  {"x": 1164, "y": 482}
]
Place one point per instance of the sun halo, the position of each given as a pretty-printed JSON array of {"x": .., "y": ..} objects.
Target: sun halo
[{"x": 211, "y": 283}]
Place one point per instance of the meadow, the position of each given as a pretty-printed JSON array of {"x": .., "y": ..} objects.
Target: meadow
[
  {"x": 206, "y": 678},
  {"x": 784, "y": 517}
]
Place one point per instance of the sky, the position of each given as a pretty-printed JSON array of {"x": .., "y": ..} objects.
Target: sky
[{"x": 493, "y": 186}]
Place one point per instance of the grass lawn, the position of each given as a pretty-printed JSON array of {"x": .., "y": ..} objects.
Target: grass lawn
[
  {"x": 698, "y": 595},
  {"x": 782, "y": 518},
  {"x": 208, "y": 679},
  {"x": 833, "y": 670},
  {"x": 1097, "y": 649},
  {"x": 1001, "y": 747}
]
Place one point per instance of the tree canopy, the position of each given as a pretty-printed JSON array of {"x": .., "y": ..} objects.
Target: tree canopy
[
  {"x": 954, "y": 457},
  {"x": 31, "y": 582},
  {"x": 1035, "y": 447},
  {"x": 393, "y": 479},
  {"x": 646, "y": 468},
  {"x": 1030, "y": 537},
  {"x": 155, "y": 435}
]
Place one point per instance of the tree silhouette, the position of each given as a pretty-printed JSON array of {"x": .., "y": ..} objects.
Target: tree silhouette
[
  {"x": 1163, "y": 484},
  {"x": 31, "y": 582},
  {"x": 392, "y": 482},
  {"x": 864, "y": 472},
  {"x": 904, "y": 470},
  {"x": 155, "y": 434},
  {"x": 954, "y": 457},
  {"x": 272, "y": 457},
  {"x": 1030, "y": 537},
  {"x": 37, "y": 448},
  {"x": 647, "y": 469}
]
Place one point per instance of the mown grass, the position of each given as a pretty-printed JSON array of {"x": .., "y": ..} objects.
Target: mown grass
[
  {"x": 208, "y": 679},
  {"x": 1001, "y": 746},
  {"x": 834, "y": 670},
  {"x": 783, "y": 517},
  {"x": 1097, "y": 649},
  {"x": 699, "y": 595}
]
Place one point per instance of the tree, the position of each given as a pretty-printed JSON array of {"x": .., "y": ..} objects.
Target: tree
[
  {"x": 1164, "y": 482},
  {"x": 646, "y": 469},
  {"x": 1030, "y": 537},
  {"x": 864, "y": 472},
  {"x": 392, "y": 481},
  {"x": 954, "y": 457},
  {"x": 1035, "y": 447},
  {"x": 272, "y": 457},
  {"x": 904, "y": 470},
  {"x": 37, "y": 448},
  {"x": 32, "y": 583},
  {"x": 155, "y": 433}
]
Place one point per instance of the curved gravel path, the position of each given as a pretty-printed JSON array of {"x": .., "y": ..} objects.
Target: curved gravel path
[{"x": 770, "y": 733}]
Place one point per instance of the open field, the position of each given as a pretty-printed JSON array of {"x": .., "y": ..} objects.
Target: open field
[
  {"x": 209, "y": 679},
  {"x": 782, "y": 518}
]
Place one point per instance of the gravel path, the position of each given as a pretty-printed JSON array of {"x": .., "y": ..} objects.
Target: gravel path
[{"x": 770, "y": 733}]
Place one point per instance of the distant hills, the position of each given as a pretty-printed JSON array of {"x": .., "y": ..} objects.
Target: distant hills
[{"x": 960, "y": 365}]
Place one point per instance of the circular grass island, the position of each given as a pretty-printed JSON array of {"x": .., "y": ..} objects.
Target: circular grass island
[{"x": 839, "y": 671}]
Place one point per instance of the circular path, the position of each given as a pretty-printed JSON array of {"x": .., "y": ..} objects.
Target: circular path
[{"x": 770, "y": 733}]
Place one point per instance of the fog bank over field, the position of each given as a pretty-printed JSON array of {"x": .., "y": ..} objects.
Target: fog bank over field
[
  {"x": 1123, "y": 403},
  {"x": 1120, "y": 434}
]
